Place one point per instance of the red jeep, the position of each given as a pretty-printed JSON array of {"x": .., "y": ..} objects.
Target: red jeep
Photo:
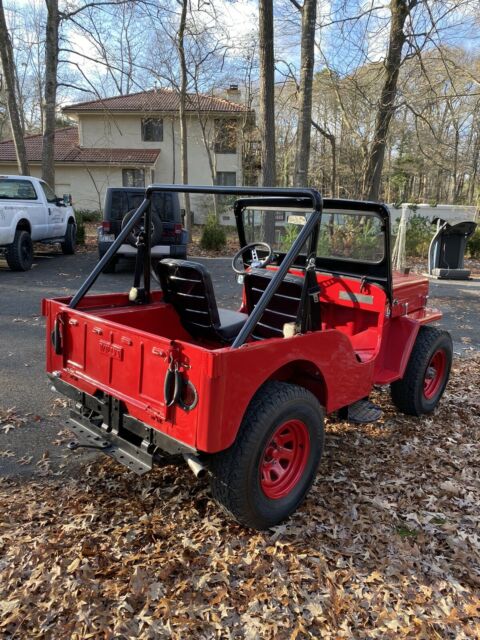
[{"x": 243, "y": 394}]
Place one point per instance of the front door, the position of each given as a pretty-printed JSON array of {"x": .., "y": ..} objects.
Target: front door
[{"x": 56, "y": 213}]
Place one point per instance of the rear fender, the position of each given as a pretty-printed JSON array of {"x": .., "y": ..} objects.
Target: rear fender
[
  {"x": 399, "y": 335},
  {"x": 305, "y": 374}
]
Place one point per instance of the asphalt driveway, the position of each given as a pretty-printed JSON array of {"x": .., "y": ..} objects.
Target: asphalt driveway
[{"x": 24, "y": 385}]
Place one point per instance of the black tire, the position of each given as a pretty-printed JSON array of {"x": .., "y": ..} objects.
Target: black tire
[
  {"x": 69, "y": 243},
  {"x": 419, "y": 391},
  {"x": 157, "y": 228},
  {"x": 111, "y": 266},
  {"x": 238, "y": 480},
  {"x": 19, "y": 254}
]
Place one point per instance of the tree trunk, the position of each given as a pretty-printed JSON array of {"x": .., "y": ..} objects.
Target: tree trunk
[
  {"x": 373, "y": 171},
  {"x": 6, "y": 56},
  {"x": 331, "y": 138},
  {"x": 267, "y": 107},
  {"x": 302, "y": 155},
  {"x": 182, "y": 113},
  {"x": 267, "y": 92},
  {"x": 50, "y": 92}
]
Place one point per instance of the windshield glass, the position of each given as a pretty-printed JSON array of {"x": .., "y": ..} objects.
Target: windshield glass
[
  {"x": 277, "y": 228},
  {"x": 353, "y": 235},
  {"x": 13, "y": 189}
]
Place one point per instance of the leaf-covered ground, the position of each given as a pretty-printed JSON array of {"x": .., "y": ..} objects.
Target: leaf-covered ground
[{"x": 387, "y": 544}]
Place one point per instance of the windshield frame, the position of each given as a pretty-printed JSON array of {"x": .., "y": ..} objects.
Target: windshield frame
[{"x": 379, "y": 273}]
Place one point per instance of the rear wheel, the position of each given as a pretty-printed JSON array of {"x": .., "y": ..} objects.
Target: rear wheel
[
  {"x": 69, "y": 243},
  {"x": 19, "y": 254},
  {"x": 265, "y": 475},
  {"x": 427, "y": 373}
]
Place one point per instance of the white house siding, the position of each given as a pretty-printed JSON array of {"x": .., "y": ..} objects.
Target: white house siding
[
  {"x": 124, "y": 131},
  {"x": 87, "y": 187}
]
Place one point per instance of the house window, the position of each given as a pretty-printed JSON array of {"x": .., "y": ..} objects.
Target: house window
[
  {"x": 226, "y": 178},
  {"x": 225, "y": 135},
  {"x": 152, "y": 130},
  {"x": 133, "y": 177}
]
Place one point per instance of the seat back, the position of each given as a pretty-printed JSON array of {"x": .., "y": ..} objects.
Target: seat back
[
  {"x": 282, "y": 308},
  {"x": 188, "y": 287}
]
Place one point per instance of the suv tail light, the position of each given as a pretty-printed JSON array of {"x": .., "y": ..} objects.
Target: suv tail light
[
  {"x": 178, "y": 229},
  {"x": 106, "y": 226}
]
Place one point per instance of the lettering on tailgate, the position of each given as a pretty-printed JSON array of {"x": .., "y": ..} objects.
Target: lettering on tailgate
[{"x": 111, "y": 350}]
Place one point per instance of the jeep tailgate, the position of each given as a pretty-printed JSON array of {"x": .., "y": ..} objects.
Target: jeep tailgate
[{"x": 123, "y": 361}]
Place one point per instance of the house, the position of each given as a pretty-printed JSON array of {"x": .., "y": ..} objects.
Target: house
[{"x": 134, "y": 140}]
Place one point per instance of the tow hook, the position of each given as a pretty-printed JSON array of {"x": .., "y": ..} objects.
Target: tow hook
[{"x": 73, "y": 446}]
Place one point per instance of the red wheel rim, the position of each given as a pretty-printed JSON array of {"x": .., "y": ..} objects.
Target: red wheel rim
[
  {"x": 284, "y": 459},
  {"x": 434, "y": 374}
]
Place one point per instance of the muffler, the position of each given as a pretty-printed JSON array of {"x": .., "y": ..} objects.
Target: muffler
[{"x": 198, "y": 468}]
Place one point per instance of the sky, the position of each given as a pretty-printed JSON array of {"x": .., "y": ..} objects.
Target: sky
[{"x": 344, "y": 46}]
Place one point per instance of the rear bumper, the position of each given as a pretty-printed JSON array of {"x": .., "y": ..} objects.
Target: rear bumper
[
  {"x": 157, "y": 251},
  {"x": 102, "y": 422}
]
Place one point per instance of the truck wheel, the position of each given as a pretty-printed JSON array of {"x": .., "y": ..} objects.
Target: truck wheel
[
  {"x": 19, "y": 254},
  {"x": 69, "y": 243},
  {"x": 265, "y": 475},
  {"x": 427, "y": 373}
]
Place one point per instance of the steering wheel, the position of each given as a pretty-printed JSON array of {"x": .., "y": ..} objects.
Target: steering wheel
[{"x": 255, "y": 261}]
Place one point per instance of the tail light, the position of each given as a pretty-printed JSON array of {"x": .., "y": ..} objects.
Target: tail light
[
  {"x": 178, "y": 229},
  {"x": 106, "y": 226}
]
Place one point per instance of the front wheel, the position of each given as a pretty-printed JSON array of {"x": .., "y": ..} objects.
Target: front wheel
[
  {"x": 265, "y": 475},
  {"x": 69, "y": 243},
  {"x": 427, "y": 373},
  {"x": 19, "y": 254}
]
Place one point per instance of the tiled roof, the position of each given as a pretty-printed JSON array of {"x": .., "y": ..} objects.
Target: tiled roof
[
  {"x": 67, "y": 149},
  {"x": 158, "y": 100}
]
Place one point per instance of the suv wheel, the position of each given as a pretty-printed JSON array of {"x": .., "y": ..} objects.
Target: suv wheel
[
  {"x": 427, "y": 373},
  {"x": 265, "y": 475},
  {"x": 69, "y": 243},
  {"x": 19, "y": 254}
]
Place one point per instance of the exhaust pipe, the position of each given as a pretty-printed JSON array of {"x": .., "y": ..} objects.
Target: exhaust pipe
[{"x": 198, "y": 468}]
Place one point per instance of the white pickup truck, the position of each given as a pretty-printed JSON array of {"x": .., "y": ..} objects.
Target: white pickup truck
[{"x": 31, "y": 212}]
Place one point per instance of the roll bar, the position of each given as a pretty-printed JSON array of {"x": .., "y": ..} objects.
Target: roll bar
[{"x": 273, "y": 192}]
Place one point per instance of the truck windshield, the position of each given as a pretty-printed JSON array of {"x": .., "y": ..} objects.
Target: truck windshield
[{"x": 13, "y": 189}]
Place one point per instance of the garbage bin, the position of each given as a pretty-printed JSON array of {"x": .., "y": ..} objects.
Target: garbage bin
[{"x": 447, "y": 250}]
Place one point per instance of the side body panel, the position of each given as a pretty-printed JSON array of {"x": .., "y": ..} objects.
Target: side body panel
[{"x": 34, "y": 211}]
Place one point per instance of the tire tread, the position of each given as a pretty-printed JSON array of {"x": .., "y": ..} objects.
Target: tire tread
[
  {"x": 226, "y": 474},
  {"x": 404, "y": 391}
]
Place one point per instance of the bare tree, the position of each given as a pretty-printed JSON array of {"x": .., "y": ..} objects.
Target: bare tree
[
  {"x": 50, "y": 92},
  {"x": 182, "y": 110},
  {"x": 305, "y": 92},
  {"x": 8, "y": 67},
  {"x": 267, "y": 92},
  {"x": 400, "y": 10}
]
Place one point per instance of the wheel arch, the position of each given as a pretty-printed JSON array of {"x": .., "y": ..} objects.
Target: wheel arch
[
  {"x": 24, "y": 225},
  {"x": 303, "y": 373},
  {"x": 71, "y": 220}
]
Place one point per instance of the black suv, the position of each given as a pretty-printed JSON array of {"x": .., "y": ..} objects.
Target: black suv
[{"x": 169, "y": 239}]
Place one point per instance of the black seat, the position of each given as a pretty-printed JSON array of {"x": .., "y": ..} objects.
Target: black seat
[
  {"x": 188, "y": 287},
  {"x": 282, "y": 308}
]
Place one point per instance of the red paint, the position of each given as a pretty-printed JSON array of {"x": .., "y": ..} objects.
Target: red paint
[
  {"x": 284, "y": 459},
  {"x": 124, "y": 350},
  {"x": 434, "y": 374}
]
